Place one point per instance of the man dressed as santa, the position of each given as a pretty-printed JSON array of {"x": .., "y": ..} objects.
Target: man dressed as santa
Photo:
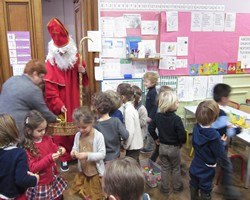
[{"x": 62, "y": 81}]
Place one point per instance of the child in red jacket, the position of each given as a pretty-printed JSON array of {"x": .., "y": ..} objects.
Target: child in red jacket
[{"x": 42, "y": 154}]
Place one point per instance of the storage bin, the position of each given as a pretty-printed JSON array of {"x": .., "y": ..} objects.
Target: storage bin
[{"x": 152, "y": 172}]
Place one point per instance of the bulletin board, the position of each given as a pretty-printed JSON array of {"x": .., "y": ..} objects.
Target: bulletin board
[{"x": 204, "y": 47}]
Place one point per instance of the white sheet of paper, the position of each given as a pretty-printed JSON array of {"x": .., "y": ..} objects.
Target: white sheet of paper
[
  {"x": 181, "y": 63},
  {"x": 149, "y": 47},
  {"x": 107, "y": 26},
  {"x": 200, "y": 87},
  {"x": 111, "y": 68},
  {"x": 149, "y": 27},
  {"x": 120, "y": 27},
  {"x": 212, "y": 81},
  {"x": 244, "y": 48},
  {"x": 196, "y": 21},
  {"x": 172, "y": 21},
  {"x": 114, "y": 47},
  {"x": 182, "y": 46},
  {"x": 219, "y": 19},
  {"x": 18, "y": 69},
  {"x": 96, "y": 44},
  {"x": 98, "y": 73},
  {"x": 207, "y": 21},
  {"x": 168, "y": 48},
  {"x": 185, "y": 88},
  {"x": 230, "y": 21},
  {"x": 132, "y": 20},
  {"x": 245, "y": 64}
]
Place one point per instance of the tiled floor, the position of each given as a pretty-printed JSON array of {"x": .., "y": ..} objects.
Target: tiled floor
[{"x": 155, "y": 194}]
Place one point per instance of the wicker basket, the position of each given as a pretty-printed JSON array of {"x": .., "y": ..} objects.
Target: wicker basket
[{"x": 63, "y": 129}]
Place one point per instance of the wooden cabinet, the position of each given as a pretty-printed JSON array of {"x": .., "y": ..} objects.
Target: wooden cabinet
[
  {"x": 20, "y": 15},
  {"x": 86, "y": 18}
]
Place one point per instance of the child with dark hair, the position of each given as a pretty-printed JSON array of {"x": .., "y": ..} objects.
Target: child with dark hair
[
  {"x": 111, "y": 127},
  {"x": 132, "y": 122},
  {"x": 124, "y": 180},
  {"x": 208, "y": 147},
  {"x": 89, "y": 149},
  {"x": 142, "y": 111},
  {"x": 150, "y": 80},
  {"x": 14, "y": 175},
  {"x": 221, "y": 93},
  {"x": 171, "y": 136},
  {"x": 116, "y": 104},
  {"x": 42, "y": 153}
]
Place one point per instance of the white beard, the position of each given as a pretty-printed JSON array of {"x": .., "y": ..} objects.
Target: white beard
[{"x": 65, "y": 61}]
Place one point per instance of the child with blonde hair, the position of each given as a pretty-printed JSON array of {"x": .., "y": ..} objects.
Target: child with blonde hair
[
  {"x": 132, "y": 123},
  {"x": 42, "y": 153},
  {"x": 150, "y": 80},
  {"x": 14, "y": 175},
  {"x": 89, "y": 149},
  {"x": 112, "y": 128},
  {"x": 171, "y": 136}
]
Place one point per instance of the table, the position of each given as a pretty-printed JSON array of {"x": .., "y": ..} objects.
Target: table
[
  {"x": 244, "y": 136},
  {"x": 192, "y": 110}
]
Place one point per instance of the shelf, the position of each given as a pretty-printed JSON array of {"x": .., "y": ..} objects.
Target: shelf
[{"x": 145, "y": 59}]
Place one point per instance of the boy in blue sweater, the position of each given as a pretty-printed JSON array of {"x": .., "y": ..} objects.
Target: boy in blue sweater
[
  {"x": 208, "y": 148},
  {"x": 221, "y": 93}
]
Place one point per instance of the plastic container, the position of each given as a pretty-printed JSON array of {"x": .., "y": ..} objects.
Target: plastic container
[{"x": 152, "y": 172}]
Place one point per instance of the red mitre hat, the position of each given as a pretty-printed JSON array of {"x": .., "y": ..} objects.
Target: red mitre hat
[{"x": 58, "y": 33}]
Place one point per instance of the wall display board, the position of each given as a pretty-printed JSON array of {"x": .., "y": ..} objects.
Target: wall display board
[
  {"x": 201, "y": 40},
  {"x": 191, "y": 46}
]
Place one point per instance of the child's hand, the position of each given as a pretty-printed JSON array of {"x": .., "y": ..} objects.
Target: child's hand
[
  {"x": 157, "y": 142},
  {"x": 82, "y": 155},
  {"x": 55, "y": 156},
  {"x": 224, "y": 138},
  {"x": 32, "y": 174},
  {"x": 149, "y": 119},
  {"x": 61, "y": 151},
  {"x": 73, "y": 154}
]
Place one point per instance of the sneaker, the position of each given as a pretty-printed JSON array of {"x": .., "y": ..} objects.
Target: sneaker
[
  {"x": 144, "y": 150},
  {"x": 64, "y": 166}
]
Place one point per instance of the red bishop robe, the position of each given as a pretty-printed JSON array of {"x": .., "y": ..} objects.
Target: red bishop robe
[{"x": 62, "y": 88}]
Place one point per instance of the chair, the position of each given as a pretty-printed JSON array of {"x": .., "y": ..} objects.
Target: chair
[
  {"x": 233, "y": 156},
  {"x": 233, "y": 104},
  {"x": 245, "y": 108}
]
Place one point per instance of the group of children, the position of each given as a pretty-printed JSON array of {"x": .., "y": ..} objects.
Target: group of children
[{"x": 118, "y": 120}]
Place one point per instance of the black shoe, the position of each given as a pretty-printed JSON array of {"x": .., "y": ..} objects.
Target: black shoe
[{"x": 64, "y": 166}]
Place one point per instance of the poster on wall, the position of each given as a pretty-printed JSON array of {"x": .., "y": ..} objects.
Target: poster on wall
[{"x": 19, "y": 50}]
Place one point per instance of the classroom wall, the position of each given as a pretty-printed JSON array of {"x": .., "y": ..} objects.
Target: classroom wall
[
  {"x": 61, "y": 9},
  {"x": 240, "y": 6}
]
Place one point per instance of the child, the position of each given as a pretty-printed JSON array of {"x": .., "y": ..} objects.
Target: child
[
  {"x": 42, "y": 154},
  {"x": 111, "y": 127},
  {"x": 171, "y": 136},
  {"x": 116, "y": 104},
  {"x": 124, "y": 180},
  {"x": 142, "y": 111},
  {"x": 221, "y": 93},
  {"x": 14, "y": 175},
  {"x": 155, "y": 154},
  {"x": 132, "y": 122},
  {"x": 89, "y": 149},
  {"x": 150, "y": 80},
  {"x": 208, "y": 147}
]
